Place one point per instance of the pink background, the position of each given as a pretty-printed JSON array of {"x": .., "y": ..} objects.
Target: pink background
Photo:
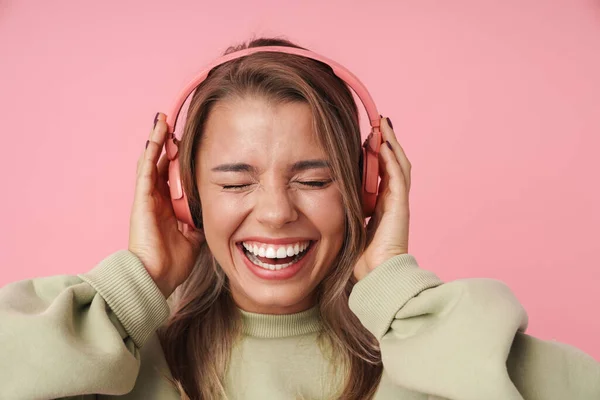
[{"x": 497, "y": 104}]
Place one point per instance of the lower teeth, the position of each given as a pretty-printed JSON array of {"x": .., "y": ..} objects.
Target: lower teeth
[{"x": 272, "y": 267}]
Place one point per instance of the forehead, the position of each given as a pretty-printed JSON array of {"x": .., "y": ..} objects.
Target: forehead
[{"x": 252, "y": 128}]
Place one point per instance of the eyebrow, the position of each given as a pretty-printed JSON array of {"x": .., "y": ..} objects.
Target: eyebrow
[
  {"x": 310, "y": 164},
  {"x": 235, "y": 167},
  {"x": 298, "y": 166}
]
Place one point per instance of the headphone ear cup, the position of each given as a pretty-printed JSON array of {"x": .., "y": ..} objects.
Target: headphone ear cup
[
  {"x": 179, "y": 199},
  {"x": 368, "y": 199}
]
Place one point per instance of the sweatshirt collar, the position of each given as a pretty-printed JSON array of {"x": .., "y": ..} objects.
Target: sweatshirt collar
[{"x": 281, "y": 326}]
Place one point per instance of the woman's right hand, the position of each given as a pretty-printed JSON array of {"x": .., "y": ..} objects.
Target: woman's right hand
[{"x": 167, "y": 247}]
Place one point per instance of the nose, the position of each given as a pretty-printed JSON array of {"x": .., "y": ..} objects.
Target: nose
[{"x": 275, "y": 207}]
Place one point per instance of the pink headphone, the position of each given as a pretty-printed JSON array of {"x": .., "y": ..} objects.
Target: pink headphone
[{"x": 370, "y": 146}]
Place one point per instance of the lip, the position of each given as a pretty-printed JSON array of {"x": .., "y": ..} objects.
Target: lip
[
  {"x": 282, "y": 274},
  {"x": 265, "y": 240}
]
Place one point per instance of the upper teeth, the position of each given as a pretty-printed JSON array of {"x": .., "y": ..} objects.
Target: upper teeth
[{"x": 273, "y": 251}]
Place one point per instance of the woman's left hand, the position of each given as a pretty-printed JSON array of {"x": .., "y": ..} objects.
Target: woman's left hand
[{"x": 387, "y": 230}]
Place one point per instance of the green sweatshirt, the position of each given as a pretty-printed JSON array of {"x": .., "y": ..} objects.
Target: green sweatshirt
[{"x": 92, "y": 336}]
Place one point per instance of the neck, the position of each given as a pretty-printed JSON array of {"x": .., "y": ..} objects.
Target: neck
[
  {"x": 280, "y": 326},
  {"x": 246, "y": 304}
]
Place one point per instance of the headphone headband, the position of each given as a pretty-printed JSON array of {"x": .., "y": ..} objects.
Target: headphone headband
[{"x": 357, "y": 86}]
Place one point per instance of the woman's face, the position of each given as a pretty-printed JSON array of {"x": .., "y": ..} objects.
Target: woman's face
[{"x": 273, "y": 218}]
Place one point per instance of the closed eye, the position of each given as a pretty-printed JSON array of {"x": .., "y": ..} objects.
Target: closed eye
[
  {"x": 306, "y": 183},
  {"x": 314, "y": 183},
  {"x": 235, "y": 187}
]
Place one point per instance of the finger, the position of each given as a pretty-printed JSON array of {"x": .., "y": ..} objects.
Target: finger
[
  {"x": 389, "y": 135},
  {"x": 147, "y": 172},
  {"x": 396, "y": 184},
  {"x": 163, "y": 176},
  {"x": 158, "y": 117},
  {"x": 163, "y": 167},
  {"x": 150, "y": 138},
  {"x": 385, "y": 177},
  {"x": 158, "y": 136},
  {"x": 146, "y": 169},
  {"x": 383, "y": 188},
  {"x": 140, "y": 161}
]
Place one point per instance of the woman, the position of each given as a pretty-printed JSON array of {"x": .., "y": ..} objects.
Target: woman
[{"x": 283, "y": 294}]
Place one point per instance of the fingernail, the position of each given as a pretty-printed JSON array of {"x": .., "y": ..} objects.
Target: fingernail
[
  {"x": 155, "y": 119},
  {"x": 388, "y": 144},
  {"x": 147, "y": 141},
  {"x": 389, "y": 121}
]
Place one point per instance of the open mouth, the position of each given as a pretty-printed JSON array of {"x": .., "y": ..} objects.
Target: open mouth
[{"x": 275, "y": 258}]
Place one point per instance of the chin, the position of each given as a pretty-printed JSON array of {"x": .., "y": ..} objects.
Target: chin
[
  {"x": 272, "y": 301},
  {"x": 254, "y": 293}
]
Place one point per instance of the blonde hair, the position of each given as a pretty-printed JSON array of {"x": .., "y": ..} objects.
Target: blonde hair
[{"x": 199, "y": 336}]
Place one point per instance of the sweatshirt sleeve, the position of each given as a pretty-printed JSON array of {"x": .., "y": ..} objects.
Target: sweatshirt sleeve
[
  {"x": 73, "y": 335},
  {"x": 464, "y": 340}
]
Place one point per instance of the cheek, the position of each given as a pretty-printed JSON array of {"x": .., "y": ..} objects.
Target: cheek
[
  {"x": 326, "y": 212},
  {"x": 221, "y": 218}
]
